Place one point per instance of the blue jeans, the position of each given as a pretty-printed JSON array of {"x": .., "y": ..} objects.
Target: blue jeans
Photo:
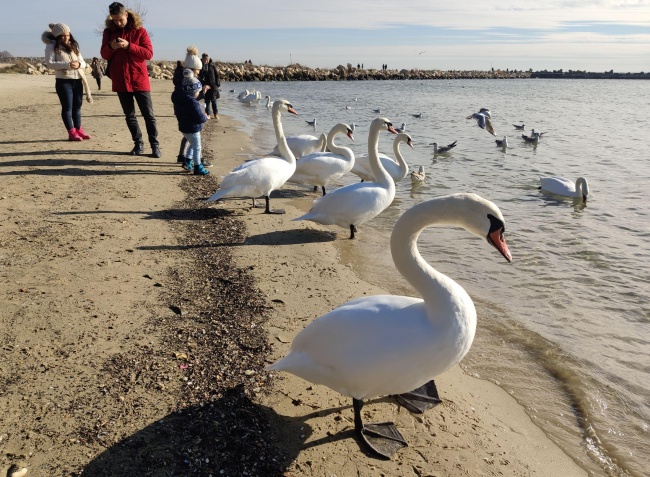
[
  {"x": 194, "y": 149},
  {"x": 143, "y": 98},
  {"x": 71, "y": 96}
]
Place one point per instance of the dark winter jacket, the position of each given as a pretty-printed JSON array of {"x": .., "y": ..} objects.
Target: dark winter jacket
[
  {"x": 210, "y": 76},
  {"x": 188, "y": 111},
  {"x": 128, "y": 67}
]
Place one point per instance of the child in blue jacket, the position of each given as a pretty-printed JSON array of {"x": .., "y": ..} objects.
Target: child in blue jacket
[{"x": 191, "y": 116}]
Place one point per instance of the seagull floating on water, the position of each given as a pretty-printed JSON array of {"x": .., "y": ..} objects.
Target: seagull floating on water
[
  {"x": 417, "y": 115},
  {"x": 376, "y": 110},
  {"x": 418, "y": 176},
  {"x": 531, "y": 139},
  {"x": 311, "y": 123},
  {"x": 443, "y": 149},
  {"x": 519, "y": 126},
  {"x": 502, "y": 142},
  {"x": 401, "y": 129}
]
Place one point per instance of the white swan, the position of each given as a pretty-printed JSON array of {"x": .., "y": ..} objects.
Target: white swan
[
  {"x": 355, "y": 204},
  {"x": 397, "y": 168},
  {"x": 260, "y": 177},
  {"x": 320, "y": 168},
  {"x": 268, "y": 102},
  {"x": 304, "y": 144},
  {"x": 250, "y": 96},
  {"x": 483, "y": 120},
  {"x": 388, "y": 344},
  {"x": 565, "y": 187},
  {"x": 418, "y": 176}
]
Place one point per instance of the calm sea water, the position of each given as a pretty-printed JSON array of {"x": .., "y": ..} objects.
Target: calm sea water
[{"x": 564, "y": 328}]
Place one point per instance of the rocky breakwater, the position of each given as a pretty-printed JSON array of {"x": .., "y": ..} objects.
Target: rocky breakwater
[{"x": 295, "y": 72}]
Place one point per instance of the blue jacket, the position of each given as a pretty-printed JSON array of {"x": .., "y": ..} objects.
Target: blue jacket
[{"x": 188, "y": 111}]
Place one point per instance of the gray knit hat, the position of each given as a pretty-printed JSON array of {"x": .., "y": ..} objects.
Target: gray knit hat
[{"x": 59, "y": 29}]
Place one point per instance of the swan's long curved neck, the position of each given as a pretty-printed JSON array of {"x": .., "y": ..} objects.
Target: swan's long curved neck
[
  {"x": 398, "y": 155},
  {"x": 581, "y": 186},
  {"x": 336, "y": 149},
  {"x": 283, "y": 147},
  {"x": 429, "y": 283},
  {"x": 322, "y": 142},
  {"x": 381, "y": 176}
]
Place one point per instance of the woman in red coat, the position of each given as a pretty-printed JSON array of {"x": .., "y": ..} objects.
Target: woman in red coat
[{"x": 127, "y": 47}]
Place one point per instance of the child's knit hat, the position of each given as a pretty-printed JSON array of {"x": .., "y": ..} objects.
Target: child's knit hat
[
  {"x": 59, "y": 29},
  {"x": 192, "y": 60},
  {"x": 190, "y": 84}
]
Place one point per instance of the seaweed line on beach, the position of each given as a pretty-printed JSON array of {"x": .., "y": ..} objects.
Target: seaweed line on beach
[{"x": 217, "y": 344}]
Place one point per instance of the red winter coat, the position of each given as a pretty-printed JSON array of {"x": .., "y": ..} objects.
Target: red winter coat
[{"x": 128, "y": 66}]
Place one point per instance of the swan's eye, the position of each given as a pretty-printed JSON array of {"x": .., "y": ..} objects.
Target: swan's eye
[
  {"x": 389, "y": 124},
  {"x": 496, "y": 224}
]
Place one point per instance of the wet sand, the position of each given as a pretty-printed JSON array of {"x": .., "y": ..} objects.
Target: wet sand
[{"x": 136, "y": 319}]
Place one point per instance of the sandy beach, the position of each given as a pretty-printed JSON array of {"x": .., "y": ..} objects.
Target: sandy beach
[{"x": 136, "y": 319}]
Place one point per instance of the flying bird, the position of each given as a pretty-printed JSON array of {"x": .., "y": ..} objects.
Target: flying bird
[{"x": 483, "y": 120}]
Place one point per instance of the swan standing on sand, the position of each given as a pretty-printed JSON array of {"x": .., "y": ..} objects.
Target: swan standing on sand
[
  {"x": 397, "y": 168},
  {"x": 355, "y": 204},
  {"x": 483, "y": 120},
  {"x": 388, "y": 344},
  {"x": 260, "y": 177},
  {"x": 418, "y": 176},
  {"x": 304, "y": 144},
  {"x": 443, "y": 149},
  {"x": 565, "y": 187},
  {"x": 319, "y": 168}
]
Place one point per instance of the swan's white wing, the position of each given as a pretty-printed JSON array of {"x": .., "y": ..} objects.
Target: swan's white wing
[{"x": 558, "y": 185}]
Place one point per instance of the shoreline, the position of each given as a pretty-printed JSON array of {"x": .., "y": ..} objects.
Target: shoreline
[{"x": 101, "y": 205}]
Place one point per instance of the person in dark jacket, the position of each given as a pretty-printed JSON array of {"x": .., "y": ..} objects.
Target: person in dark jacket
[
  {"x": 127, "y": 47},
  {"x": 190, "y": 116},
  {"x": 209, "y": 76}
]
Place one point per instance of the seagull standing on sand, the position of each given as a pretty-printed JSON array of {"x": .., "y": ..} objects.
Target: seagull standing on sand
[{"x": 483, "y": 120}]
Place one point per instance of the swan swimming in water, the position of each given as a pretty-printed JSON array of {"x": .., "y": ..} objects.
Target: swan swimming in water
[
  {"x": 319, "y": 168},
  {"x": 388, "y": 344},
  {"x": 565, "y": 187},
  {"x": 260, "y": 177},
  {"x": 355, "y": 204},
  {"x": 397, "y": 168}
]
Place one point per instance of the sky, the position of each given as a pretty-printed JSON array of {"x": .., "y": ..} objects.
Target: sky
[{"x": 592, "y": 35}]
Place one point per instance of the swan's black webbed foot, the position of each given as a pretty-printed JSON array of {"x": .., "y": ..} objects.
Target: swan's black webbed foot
[
  {"x": 420, "y": 399},
  {"x": 268, "y": 210},
  {"x": 382, "y": 439}
]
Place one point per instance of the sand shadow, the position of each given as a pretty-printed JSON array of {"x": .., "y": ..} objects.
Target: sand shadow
[{"x": 231, "y": 435}]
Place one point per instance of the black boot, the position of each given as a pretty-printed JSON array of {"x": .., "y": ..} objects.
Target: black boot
[{"x": 138, "y": 149}]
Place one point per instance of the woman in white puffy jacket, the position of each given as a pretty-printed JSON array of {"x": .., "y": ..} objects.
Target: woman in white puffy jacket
[{"x": 62, "y": 55}]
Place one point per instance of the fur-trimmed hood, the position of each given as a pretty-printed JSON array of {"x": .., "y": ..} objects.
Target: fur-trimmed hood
[
  {"x": 48, "y": 37},
  {"x": 134, "y": 22}
]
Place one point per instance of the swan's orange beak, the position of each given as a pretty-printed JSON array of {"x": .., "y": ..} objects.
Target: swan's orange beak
[
  {"x": 410, "y": 143},
  {"x": 350, "y": 135},
  {"x": 292, "y": 111},
  {"x": 391, "y": 129},
  {"x": 497, "y": 239}
]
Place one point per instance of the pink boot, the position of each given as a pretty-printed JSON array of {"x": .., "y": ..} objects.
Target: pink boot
[
  {"x": 73, "y": 135},
  {"x": 82, "y": 133}
]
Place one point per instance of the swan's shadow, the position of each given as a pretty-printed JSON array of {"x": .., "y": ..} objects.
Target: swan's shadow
[{"x": 231, "y": 435}]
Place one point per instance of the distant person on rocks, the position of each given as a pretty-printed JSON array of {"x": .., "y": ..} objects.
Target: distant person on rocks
[
  {"x": 62, "y": 55},
  {"x": 209, "y": 76},
  {"x": 97, "y": 72},
  {"x": 127, "y": 47},
  {"x": 190, "y": 116}
]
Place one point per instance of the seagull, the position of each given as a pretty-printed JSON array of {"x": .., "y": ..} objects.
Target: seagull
[
  {"x": 520, "y": 127},
  {"x": 533, "y": 133},
  {"x": 347, "y": 107},
  {"x": 443, "y": 149},
  {"x": 376, "y": 110},
  {"x": 417, "y": 115},
  {"x": 483, "y": 120},
  {"x": 401, "y": 129},
  {"x": 419, "y": 175},
  {"x": 532, "y": 139},
  {"x": 502, "y": 142},
  {"x": 311, "y": 123},
  {"x": 232, "y": 90}
]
